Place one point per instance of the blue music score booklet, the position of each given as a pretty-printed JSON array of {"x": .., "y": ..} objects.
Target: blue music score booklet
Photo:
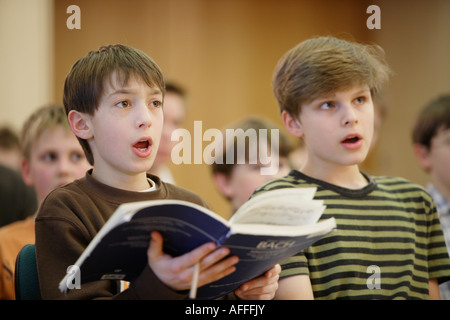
[{"x": 266, "y": 230}]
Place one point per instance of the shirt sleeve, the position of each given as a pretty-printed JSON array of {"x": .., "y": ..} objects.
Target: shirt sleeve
[
  {"x": 60, "y": 240},
  {"x": 438, "y": 257},
  {"x": 295, "y": 265}
]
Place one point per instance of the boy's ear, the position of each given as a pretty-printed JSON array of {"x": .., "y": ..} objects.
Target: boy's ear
[
  {"x": 222, "y": 183},
  {"x": 80, "y": 124},
  {"x": 422, "y": 154},
  {"x": 292, "y": 124},
  {"x": 26, "y": 172}
]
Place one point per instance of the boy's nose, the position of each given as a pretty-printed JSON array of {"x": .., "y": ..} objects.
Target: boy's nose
[
  {"x": 349, "y": 116},
  {"x": 143, "y": 116},
  {"x": 64, "y": 165}
]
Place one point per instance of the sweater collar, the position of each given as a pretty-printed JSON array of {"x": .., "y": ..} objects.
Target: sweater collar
[{"x": 99, "y": 189}]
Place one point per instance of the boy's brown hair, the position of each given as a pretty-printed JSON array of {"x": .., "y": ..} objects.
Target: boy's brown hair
[
  {"x": 83, "y": 87},
  {"x": 284, "y": 144},
  {"x": 434, "y": 116},
  {"x": 9, "y": 140},
  {"x": 324, "y": 65}
]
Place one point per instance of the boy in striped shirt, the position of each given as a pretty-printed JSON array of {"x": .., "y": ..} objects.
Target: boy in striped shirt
[{"x": 389, "y": 242}]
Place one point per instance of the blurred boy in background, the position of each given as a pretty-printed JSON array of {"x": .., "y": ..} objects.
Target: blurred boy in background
[
  {"x": 52, "y": 157},
  {"x": 237, "y": 181},
  {"x": 431, "y": 138},
  {"x": 174, "y": 110}
]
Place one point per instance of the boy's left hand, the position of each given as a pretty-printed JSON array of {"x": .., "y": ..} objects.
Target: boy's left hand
[{"x": 262, "y": 288}]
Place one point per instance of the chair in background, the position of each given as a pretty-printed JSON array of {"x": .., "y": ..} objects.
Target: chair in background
[{"x": 26, "y": 277}]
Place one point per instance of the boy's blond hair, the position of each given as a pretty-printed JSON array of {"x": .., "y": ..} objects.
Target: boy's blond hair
[
  {"x": 83, "y": 87},
  {"x": 43, "y": 119},
  {"x": 324, "y": 65}
]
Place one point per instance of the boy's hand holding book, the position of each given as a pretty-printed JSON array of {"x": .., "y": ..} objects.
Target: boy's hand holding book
[
  {"x": 261, "y": 288},
  {"x": 177, "y": 272}
]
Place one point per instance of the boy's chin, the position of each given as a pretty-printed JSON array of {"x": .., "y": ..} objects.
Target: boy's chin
[
  {"x": 355, "y": 161},
  {"x": 149, "y": 165}
]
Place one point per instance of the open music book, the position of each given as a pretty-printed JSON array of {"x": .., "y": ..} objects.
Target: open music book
[{"x": 266, "y": 230}]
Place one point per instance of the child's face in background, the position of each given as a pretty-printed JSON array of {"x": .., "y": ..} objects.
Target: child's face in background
[
  {"x": 439, "y": 158},
  {"x": 56, "y": 158},
  {"x": 338, "y": 129},
  {"x": 245, "y": 178},
  {"x": 174, "y": 115}
]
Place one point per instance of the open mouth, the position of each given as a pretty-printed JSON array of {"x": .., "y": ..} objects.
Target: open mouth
[
  {"x": 351, "y": 139},
  {"x": 142, "y": 145},
  {"x": 352, "y": 142}
]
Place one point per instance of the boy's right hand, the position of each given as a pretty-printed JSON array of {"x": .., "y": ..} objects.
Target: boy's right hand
[{"x": 177, "y": 272}]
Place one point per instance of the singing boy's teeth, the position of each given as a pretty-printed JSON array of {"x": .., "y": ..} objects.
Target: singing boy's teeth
[{"x": 141, "y": 145}]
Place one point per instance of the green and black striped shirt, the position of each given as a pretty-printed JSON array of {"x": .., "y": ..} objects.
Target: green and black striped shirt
[{"x": 387, "y": 245}]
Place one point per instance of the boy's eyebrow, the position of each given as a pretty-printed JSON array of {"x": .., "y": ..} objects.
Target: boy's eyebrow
[
  {"x": 366, "y": 90},
  {"x": 130, "y": 91},
  {"x": 332, "y": 95}
]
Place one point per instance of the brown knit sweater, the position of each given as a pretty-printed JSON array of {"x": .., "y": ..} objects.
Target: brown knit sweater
[{"x": 68, "y": 220}]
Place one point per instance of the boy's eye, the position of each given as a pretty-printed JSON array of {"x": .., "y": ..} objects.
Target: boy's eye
[
  {"x": 49, "y": 157},
  {"x": 327, "y": 105},
  {"x": 76, "y": 157},
  {"x": 360, "y": 100},
  {"x": 156, "y": 104},
  {"x": 123, "y": 104}
]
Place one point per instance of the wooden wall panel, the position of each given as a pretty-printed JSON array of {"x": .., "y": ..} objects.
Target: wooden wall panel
[{"x": 222, "y": 52}]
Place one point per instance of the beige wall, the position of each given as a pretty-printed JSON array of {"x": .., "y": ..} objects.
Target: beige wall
[
  {"x": 26, "y": 58},
  {"x": 224, "y": 51}
]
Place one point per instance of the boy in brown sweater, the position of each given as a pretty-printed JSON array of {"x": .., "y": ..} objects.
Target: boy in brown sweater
[{"x": 114, "y": 98}]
